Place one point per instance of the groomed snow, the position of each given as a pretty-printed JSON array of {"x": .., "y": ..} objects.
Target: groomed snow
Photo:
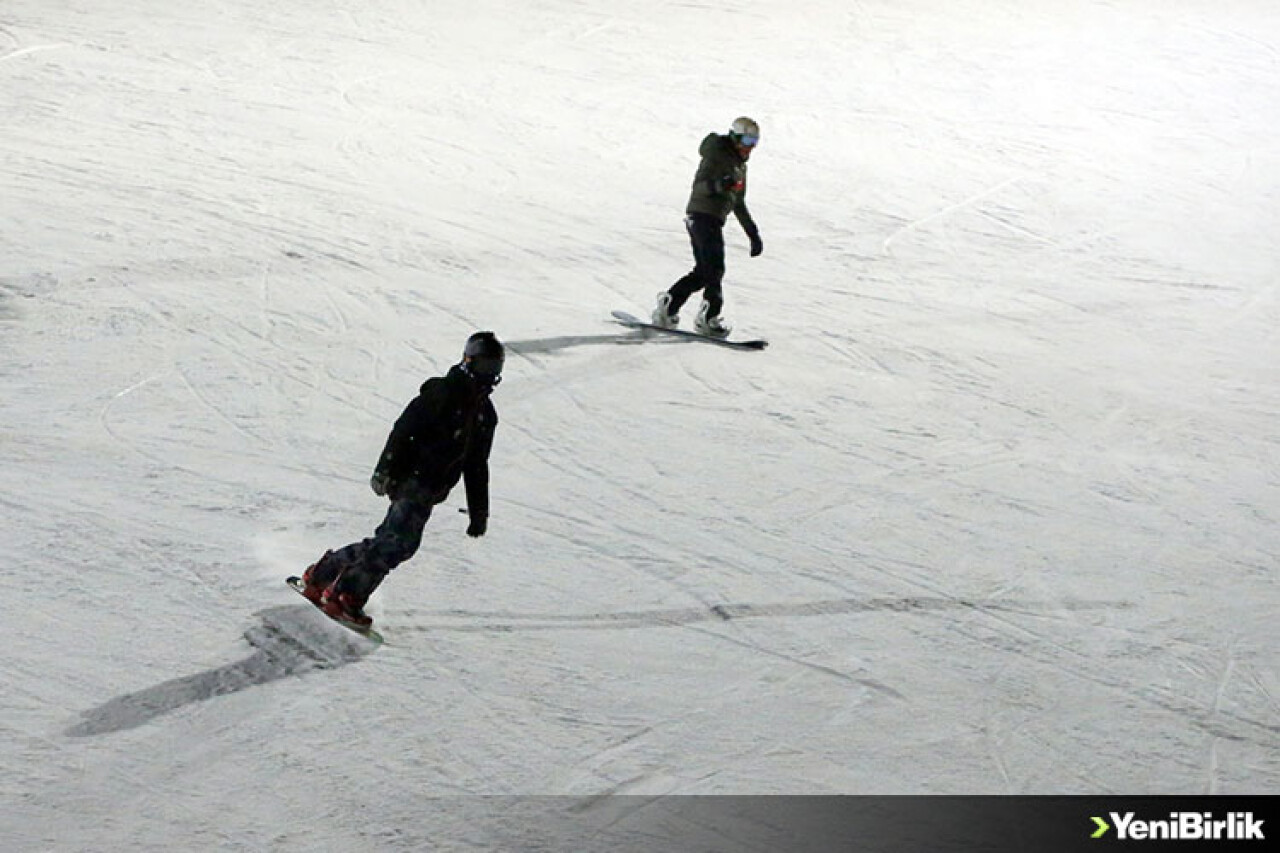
[{"x": 997, "y": 512}]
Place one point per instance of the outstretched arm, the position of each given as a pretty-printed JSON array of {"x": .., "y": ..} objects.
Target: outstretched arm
[{"x": 748, "y": 225}]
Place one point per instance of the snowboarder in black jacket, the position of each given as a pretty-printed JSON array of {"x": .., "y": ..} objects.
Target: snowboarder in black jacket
[
  {"x": 719, "y": 188},
  {"x": 443, "y": 436}
]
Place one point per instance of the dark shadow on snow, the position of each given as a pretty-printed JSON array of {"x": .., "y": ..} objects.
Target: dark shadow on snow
[
  {"x": 288, "y": 640},
  {"x": 503, "y": 621},
  {"x": 544, "y": 346},
  {"x": 470, "y": 620}
]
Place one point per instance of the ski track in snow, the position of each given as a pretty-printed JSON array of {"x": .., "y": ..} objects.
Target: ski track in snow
[{"x": 996, "y": 512}]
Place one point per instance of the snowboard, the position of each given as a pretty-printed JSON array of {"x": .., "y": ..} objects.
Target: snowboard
[
  {"x": 296, "y": 584},
  {"x": 633, "y": 322}
]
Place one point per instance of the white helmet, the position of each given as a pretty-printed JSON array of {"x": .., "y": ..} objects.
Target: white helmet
[{"x": 745, "y": 131}]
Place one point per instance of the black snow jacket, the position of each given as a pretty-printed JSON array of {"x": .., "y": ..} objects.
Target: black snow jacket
[
  {"x": 720, "y": 184},
  {"x": 444, "y": 434}
]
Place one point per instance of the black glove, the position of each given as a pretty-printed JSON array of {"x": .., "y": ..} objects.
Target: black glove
[
  {"x": 478, "y": 525},
  {"x": 380, "y": 482},
  {"x": 757, "y": 245}
]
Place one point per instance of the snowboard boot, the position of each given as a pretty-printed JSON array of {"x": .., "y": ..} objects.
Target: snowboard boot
[
  {"x": 347, "y": 607},
  {"x": 710, "y": 324},
  {"x": 662, "y": 315},
  {"x": 318, "y": 579},
  {"x": 349, "y": 593}
]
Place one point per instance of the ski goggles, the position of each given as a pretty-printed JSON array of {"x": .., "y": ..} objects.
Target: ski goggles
[{"x": 748, "y": 140}]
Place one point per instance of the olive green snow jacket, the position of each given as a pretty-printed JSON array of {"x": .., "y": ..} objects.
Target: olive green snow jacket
[{"x": 720, "y": 184}]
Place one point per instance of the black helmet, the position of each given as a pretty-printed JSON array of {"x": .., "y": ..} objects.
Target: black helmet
[{"x": 482, "y": 358}]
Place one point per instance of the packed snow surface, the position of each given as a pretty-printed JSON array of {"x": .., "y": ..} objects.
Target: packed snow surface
[{"x": 998, "y": 511}]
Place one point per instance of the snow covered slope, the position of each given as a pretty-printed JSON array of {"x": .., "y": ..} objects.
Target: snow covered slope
[{"x": 998, "y": 511}]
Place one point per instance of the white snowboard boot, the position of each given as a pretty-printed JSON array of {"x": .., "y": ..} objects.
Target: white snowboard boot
[
  {"x": 661, "y": 316},
  {"x": 713, "y": 326}
]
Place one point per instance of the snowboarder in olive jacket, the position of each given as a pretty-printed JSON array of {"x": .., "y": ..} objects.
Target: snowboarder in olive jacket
[
  {"x": 443, "y": 436},
  {"x": 719, "y": 188}
]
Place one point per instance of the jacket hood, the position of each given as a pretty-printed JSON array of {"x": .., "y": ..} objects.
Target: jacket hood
[
  {"x": 718, "y": 141},
  {"x": 455, "y": 375}
]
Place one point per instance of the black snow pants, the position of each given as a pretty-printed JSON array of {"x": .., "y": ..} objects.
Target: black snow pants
[
  {"x": 706, "y": 233},
  {"x": 361, "y": 566}
]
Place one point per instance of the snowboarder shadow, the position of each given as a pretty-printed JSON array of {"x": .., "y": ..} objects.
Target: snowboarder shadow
[
  {"x": 545, "y": 346},
  {"x": 507, "y": 621},
  {"x": 287, "y": 641}
]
